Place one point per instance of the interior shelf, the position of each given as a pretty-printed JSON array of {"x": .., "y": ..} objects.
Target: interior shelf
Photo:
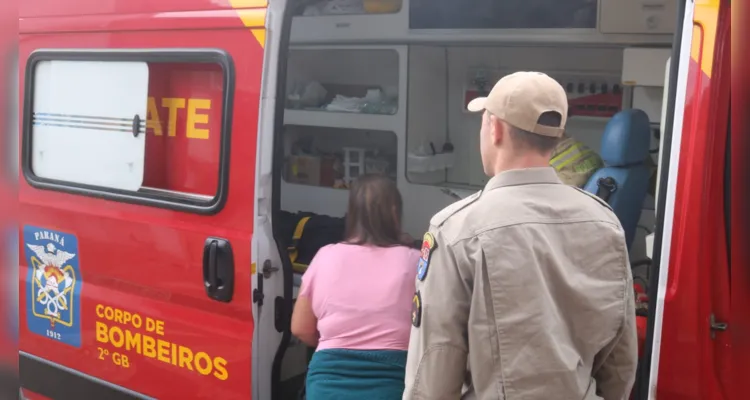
[
  {"x": 330, "y": 119},
  {"x": 327, "y": 201},
  {"x": 352, "y": 20},
  {"x": 349, "y": 28}
]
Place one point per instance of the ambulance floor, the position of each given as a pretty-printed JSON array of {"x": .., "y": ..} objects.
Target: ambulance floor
[{"x": 290, "y": 388}]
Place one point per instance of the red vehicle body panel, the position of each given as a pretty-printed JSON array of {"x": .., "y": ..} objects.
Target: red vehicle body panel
[
  {"x": 144, "y": 260},
  {"x": 693, "y": 365},
  {"x": 148, "y": 261},
  {"x": 740, "y": 227}
]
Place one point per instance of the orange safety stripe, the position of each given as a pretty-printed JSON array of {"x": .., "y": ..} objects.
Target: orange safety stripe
[
  {"x": 253, "y": 16},
  {"x": 705, "y": 21}
]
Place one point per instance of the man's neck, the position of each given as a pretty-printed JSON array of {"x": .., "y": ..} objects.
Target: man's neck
[{"x": 520, "y": 162}]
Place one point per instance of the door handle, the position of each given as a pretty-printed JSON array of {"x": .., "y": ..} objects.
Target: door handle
[{"x": 218, "y": 269}]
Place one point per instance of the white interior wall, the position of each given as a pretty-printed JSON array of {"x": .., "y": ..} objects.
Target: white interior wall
[
  {"x": 464, "y": 127},
  {"x": 428, "y": 115},
  {"x": 648, "y": 99},
  {"x": 426, "y": 121}
]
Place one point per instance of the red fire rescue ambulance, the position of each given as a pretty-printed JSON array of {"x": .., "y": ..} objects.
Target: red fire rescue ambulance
[{"x": 175, "y": 156}]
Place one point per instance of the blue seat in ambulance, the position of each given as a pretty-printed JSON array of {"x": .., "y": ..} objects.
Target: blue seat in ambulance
[{"x": 624, "y": 179}]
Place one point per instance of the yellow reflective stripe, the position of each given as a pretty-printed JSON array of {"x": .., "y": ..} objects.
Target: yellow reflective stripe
[
  {"x": 561, "y": 153},
  {"x": 560, "y": 158},
  {"x": 297, "y": 236},
  {"x": 576, "y": 158}
]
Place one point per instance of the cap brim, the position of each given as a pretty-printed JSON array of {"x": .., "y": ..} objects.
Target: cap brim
[{"x": 477, "y": 104}]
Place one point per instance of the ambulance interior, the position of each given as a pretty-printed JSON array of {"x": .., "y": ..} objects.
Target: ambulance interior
[{"x": 382, "y": 86}]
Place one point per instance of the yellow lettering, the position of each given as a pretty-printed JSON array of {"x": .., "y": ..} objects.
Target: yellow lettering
[
  {"x": 194, "y": 118},
  {"x": 160, "y": 328},
  {"x": 101, "y": 332},
  {"x": 150, "y": 325},
  {"x": 153, "y": 120},
  {"x": 149, "y": 346},
  {"x": 163, "y": 351},
  {"x": 203, "y": 370},
  {"x": 186, "y": 358},
  {"x": 133, "y": 341},
  {"x": 174, "y": 354},
  {"x": 173, "y": 104},
  {"x": 220, "y": 370},
  {"x": 116, "y": 336}
]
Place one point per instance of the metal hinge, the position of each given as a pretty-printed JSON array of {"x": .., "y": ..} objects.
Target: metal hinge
[
  {"x": 716, "y": 326},
  {"x": 264, "y": 274},
  {"x": 258, "y": 296},
  {"x": 268, "y": 269}
]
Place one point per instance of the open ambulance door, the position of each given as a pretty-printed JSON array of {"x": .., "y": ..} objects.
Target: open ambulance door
[
  {"x": 688, "y": 347},
  {"x": 273, "y": 280}
]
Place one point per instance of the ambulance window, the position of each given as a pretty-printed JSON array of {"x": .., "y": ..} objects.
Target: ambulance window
[
  {"x": 84, "y": 115},
  {"x": 140, "y": 127}
]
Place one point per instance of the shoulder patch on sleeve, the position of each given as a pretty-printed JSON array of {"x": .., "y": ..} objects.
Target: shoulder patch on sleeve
[
  {"x": 595, "y": 197},
  {"x": 449, "y": 211},
  {"x": 416, "y": 310},
  {"x": 428, "y": 245}
]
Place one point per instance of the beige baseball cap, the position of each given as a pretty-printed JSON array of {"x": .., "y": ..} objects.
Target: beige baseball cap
[{"x": 521, "y": 98}]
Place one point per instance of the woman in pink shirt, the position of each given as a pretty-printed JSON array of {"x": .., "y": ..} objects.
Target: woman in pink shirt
[{"x": 354, "y": 304}]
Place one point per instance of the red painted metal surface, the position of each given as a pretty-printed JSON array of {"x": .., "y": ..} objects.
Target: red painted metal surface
[
  {"x": 692, "y": 364},
  {"x": 740, "y": 227},
  {"x": 148, "y": 261},
  {"x": 144, "y": 260},
  {"x": 29, "y": 395},
  {"x": 52, "y": 8},
  {"x": 184, "y": 127}
]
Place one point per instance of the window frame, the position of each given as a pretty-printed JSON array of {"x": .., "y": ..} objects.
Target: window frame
[{"x": 179, "y": 201}]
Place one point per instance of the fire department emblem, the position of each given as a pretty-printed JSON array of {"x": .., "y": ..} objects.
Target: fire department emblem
[{"x": 54, "y": 284}]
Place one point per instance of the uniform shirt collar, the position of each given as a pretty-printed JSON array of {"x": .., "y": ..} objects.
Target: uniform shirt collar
[{"x": 527, "y": 176}]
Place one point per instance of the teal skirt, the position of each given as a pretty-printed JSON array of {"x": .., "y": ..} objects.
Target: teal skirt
[{"x": 356, "y": 374}]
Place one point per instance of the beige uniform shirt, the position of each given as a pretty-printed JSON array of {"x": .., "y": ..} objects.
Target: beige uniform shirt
[
  {"x": 575, "y": 162},
  {"x": 527, "y": 294}
]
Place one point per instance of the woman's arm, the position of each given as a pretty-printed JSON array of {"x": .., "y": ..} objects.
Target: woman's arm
[{"x": 304, "y": 322}]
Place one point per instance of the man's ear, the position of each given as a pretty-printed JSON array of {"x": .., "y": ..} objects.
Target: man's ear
[{"x": 498, "y": 130}]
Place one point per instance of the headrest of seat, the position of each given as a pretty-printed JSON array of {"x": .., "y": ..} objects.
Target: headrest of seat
[{"x": 627, "y": 139}]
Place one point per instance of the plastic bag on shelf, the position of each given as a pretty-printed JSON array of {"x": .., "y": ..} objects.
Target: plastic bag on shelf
[
  {"x": 423, "y": 160},
  {"x": 374, "y": 102},
  {"x": 345, "y": 104},
  {"x": 306, "y": 95}
]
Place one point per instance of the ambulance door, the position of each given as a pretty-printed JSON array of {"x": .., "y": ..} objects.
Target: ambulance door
[
  {"x": 739, "y": 235},
  {"x": 273, "y": 280},
  {"x": 688, "y": 355},
  {"x": 135, "y": 226}
]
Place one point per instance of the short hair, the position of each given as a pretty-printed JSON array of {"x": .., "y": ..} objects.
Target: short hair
[
  {"x": 370, "y": 219},
  {"x": 526, "y": 140}
]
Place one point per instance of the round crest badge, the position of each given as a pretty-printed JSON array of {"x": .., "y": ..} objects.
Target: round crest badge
[
  {"x": 428, "y": 244},
  {"x": 416, "y": 310}
]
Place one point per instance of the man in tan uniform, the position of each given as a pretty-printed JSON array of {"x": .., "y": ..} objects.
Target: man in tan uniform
[{"x": 523, "y": 290}]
